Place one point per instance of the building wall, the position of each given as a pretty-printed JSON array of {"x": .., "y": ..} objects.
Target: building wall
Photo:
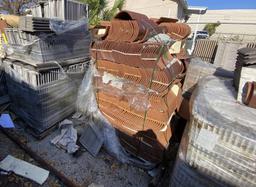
[
  {"x": 233, "y": 21},
  {"x": 155, "y": 8}
]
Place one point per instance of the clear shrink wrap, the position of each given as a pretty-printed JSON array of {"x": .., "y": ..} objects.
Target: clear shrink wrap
[
  {"x": 198, "y": 69},
  {"x": 68, "y": 40},
  {"x": 43, "y": 98},
  {"x": 87, "y": 104},
  {"x": 220, "y": 139}
]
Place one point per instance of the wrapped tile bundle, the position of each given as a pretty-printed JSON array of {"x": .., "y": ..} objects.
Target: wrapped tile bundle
[
  {"x": 226, "y": 55},
  {"x": 199, "y": 69},
  {"x": 43, "y": 97},
  {"x": 61, "y": 9},
  {"x": 246, "y": 58},
  {"x": 138, "y": 81},
  {"x": 67, "y": 40},
  {"x": 45, "y": 64},
  {"x": 183, "y": 175},
  {"x": 219, "y": 141},
  {"x": 140, "y": 116}
]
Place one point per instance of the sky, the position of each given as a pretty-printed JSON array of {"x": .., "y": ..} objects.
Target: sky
[{"x": 224, "y": 4}]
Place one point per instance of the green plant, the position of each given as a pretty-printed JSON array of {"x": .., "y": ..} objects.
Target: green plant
[
  {"x": 108, "y": 14},
  {"x": 95, "y": 10},
  {"x": 211, "y": 28},
  {"x": 98, "y": 10}
]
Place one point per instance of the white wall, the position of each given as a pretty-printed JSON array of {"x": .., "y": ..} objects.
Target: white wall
[
  {"x": 233, "y": 21},
  {"x": 155, "y": 8}
]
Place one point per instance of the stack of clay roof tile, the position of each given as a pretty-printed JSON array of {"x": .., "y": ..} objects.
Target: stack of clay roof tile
[
  {"x": 250, "y": 94},
  {"x": 176, "y": 30},
  {"x": 125, "y": 52},
  {"x": 244, "y": 77}
]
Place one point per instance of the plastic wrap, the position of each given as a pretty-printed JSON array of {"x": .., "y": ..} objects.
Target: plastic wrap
[
  {"x": 60, "y": 26},
  {"x": 221, "y": 137},
  {"x": 69, "y": 41},
  {"x": 87, "y": 104},
  {"x": 136, "y": 95},
  {"x": 138, "y": 86},
  {"x": 184, "y": 175},
  {"x": 42, "y": 99},
  {"x": 61, "y": 9},
  {"x": 3, "y": 90},
  {"x": 198, "y": 69},
  {"x": 163, "y": 38}
]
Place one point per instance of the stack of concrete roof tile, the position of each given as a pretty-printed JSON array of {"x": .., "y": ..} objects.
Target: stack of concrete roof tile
[
  {"x": 43, "y": 97},
  {"x": 148, "y": 91},
  {"x": 45, "y": 69},
  {"x": 218, "y": 144},
  {"x": 61, "y": 9},
  {"x": 34, "y": 24},
  {"x": 226, "y": 55},
  {"x": 3, "y": 90},
  {"x": 246, "y": 58},
  {"x": 36, "y": 45}
]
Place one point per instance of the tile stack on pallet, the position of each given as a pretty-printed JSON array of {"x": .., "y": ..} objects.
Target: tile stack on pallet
[
  {"x": 197, "y": 69},
  {"x": 45, "y": 69},
  {"x": 139, "y": 82},
  {"x": 226, "y": 54},
  {"x": 245, "y": 76},
  {"x": 61, "y": 9},
  {"x": 246, "y": 58},
  {"x": 218, "y": 147},
  {"x": 44, "y": 45}
]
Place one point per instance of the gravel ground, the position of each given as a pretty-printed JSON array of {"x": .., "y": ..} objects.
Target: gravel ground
[
  {"x": 82, "y": 169},
  {"x": 8, "y": 147}
]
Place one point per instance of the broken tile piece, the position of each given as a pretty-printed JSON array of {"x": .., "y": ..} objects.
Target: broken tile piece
[{"x": 24, "y": 169}]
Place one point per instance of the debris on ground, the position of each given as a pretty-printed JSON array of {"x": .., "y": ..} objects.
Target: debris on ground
[
  {"x": 6, "y": 121},
  {"x": 67, "y": 138},
  {"x": 133, "y": 104},
  {"x": 25, "y": 169}
]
